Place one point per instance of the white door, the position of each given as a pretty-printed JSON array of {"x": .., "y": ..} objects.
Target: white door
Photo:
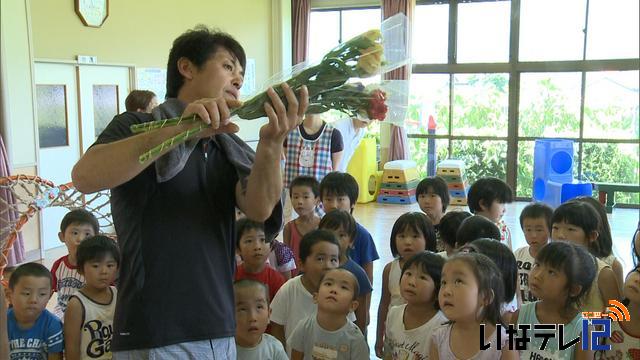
[
  {"x": 59, "y": 136},
  {"x": 103, "y": 90}
]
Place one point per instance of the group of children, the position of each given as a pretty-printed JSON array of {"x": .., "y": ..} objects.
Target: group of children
[
  {"x": 454, "y": 280},
  {"x": 81, "y": 324},
  {"x": 454, "y": 277}
]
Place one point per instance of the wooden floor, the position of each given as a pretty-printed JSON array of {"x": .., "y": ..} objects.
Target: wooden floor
[{"x": 379, "y": 219}]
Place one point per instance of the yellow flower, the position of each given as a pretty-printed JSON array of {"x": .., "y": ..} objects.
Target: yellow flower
[
  {"x": 370, "y": 60},
  {"x": 373, "y": 35}
]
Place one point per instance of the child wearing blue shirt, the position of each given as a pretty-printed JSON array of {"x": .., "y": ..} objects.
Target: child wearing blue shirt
[
  {"x": 340, "y": 191},
  {"x": 34, "y": 332}
]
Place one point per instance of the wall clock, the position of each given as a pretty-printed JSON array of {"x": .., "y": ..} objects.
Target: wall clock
[{"x": 93, "y": 13}]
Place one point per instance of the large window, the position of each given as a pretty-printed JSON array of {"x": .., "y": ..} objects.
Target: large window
[{"x": 491, "y": 77}]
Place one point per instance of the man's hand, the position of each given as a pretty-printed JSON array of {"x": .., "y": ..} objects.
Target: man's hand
[
  {"x": 214, "y": 112},
  {"x": 283, "y": 119}
]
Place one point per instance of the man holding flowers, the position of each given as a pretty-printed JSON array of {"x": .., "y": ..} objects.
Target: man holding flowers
[{"x": 174, "y": 214}]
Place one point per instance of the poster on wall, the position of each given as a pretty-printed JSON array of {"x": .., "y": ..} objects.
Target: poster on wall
[{"x": 153, "y": 79}]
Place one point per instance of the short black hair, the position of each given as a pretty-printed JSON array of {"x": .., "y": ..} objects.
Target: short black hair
[
  {"x": 476, "y": 227},
  {"x": 356, "y": 285},
  {"x": 198, "y": 45},
  {"x": 604, "y": 232},
  {"x": 336, "y": 219},
  {"x": 577, "y": 264},
  {"x": 431, "y": 264},
  {"x": 29, "y": 269},
  {"x": 79, "y": 216},
  {"x": 340, "y": 184},
  {"x": 449, "y": 225},
  {"x": 537, "y": 210},
  {"x": 504, "y": 259},
  {"x": 436, "y": 185},
  {"x": 417, "y": 222},
  {"x": 308, "y": 181},
  {"x": 249, "y": 283},
  {"x": 245, "y": 224},
  {"x": 96, "y": 248},
  {"x": 584, "y": 216},
  {"x": 313, "y": 237},
  {"x": 488, "y": 190}
]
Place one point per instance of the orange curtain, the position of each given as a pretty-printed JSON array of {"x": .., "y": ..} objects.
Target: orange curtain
[
  {"x": 399, "y": 144},
  {"x": 300, "y": 10}
]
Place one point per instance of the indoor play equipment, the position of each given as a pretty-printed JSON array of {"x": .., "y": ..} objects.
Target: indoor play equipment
[
  {"x": 399, "y": 182},
  {"x": 452, "y": 171},
  {"x": 364, "y": 168},
  {"x": 553, "y": 181}
]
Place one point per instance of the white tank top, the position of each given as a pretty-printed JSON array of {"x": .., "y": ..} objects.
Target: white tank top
[
  {"x": 97, "y": 327},
  {"x": 394, "y": 284}
]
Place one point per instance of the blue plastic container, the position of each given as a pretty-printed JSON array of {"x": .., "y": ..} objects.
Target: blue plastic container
[
  {"x": 558, "y": 193},
  {"x": 552, "y": 161}
]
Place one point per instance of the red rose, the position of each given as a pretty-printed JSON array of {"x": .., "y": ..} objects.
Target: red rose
[{"x": 377, "y": 108}]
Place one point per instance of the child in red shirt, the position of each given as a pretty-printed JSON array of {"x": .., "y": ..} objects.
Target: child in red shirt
[{"x": 254, "y": 248}]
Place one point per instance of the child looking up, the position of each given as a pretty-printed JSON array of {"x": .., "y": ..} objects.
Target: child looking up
[
  {"x": 88, "y": 325},
  {"x": 504, "y": 259},
  {"x": 471, "y": 291},
  {"x": 487, "y": 197},
  {"x": 252, "y": 318},
  {"x": 432, "y": 194},
  {"x": 535, "y": 220},
  {"x": 411, "y": 234},
  {"x": 561, "y": 276},
  {"x": 319, "y": 252},
  {"x": 578, "y": 223},
  {"x": 414, "y": 322},
  {"x": 254, "y": 248},
  {"x": 76, "y": 226},
  {"x": 449, "y": 226},
  {"x": 328, "y": 334},
  {"x": 34, "y": 332},
  {"x": 342, "y": 224},
  {"x": 340, "y": 191},
  {"x": 305, "y": 197}
]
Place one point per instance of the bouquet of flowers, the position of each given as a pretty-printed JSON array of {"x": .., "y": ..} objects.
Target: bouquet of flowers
[{"x": 363, "y": 56}]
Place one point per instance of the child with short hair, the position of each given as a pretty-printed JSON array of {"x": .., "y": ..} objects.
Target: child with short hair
[
  {"x": 33, "y": 332},
  {"x": 625, "y": 335},
  {"x": 604, "y": 251},
  {"x": 578, "y": 222},
  {"x": 328, "y": 334},
  {"x": 411, "y": 234},
  {"x": 252, "y": 318},
  {"x": 471, "y": 291},
  {"x": 342, "y": 224},
  {"x": 414, "y": 322},
  {"x": 88, "y": 325},
  {"x": 304, "y": 192},
  {"x": 319, "y": 252},
  {"x": 253, "y": 247},
  {"x": 476, "y": 227},
  {"x": 487, "y": 197},
  {"x": 535, "y": 221},
  {"x": 340, "y": 191},
  {"x": 76, "y": 226},
  {"x": 449, "y": 226},
  {"x": 561, "y": 276},
  {"x": 432, "y": 195}
]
